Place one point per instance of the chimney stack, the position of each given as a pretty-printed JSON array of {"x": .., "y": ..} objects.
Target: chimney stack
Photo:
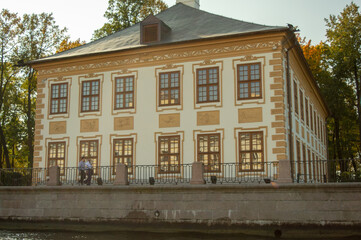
[{"x": 191, "y": 3}]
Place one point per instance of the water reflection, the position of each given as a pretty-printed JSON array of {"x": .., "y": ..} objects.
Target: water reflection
[
  {"x": 33, "y": 235},
  {"x": 15, "y": 235}
]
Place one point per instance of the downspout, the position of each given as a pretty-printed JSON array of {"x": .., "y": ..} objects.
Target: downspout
[{"x": 290, "y": 139}]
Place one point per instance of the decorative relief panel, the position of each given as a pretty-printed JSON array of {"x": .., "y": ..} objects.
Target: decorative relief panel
[
  {"x": 89, "y": 125},
  {"x": 123, "y": 123},
  {"x": 169, "y": 120},
  {"x": 250, "y": 115},
  {"x": 57, "y": 127},
  {"x": 146, "y": 57},
  {"x": 208, "y": 118}
]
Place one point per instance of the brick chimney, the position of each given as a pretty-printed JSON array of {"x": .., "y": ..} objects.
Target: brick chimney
[{"x": 191, "y": 3}]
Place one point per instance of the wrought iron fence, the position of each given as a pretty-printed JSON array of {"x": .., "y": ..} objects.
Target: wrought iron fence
[
  {"x": 312, "y": 171},
  {"x": 161, "y": 174},
  {"x": 322, "y": 171},
  {"x": 22, "y": 176},
  {"x": 101, "y": 175},
  {"x": 241, "y": 173}
]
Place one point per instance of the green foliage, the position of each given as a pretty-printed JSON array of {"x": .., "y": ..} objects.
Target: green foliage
[
  {"x": 124, "y": 13},
  {"x": 344, "y": 58},
  {"x": 333, "y": 66},
  {"x": 22, "y": 39}
]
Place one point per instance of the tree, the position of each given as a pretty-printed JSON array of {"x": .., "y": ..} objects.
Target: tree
[
  {"x": 40, "y": 37},
  {"x": 344, "y": 38},
  {"x": 66, "y": 44},
  {"x": 124, "y": 13},
  {"x": 9, "y": 31}
]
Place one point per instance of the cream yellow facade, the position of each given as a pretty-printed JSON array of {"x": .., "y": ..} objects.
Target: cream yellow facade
[{"x": 147, "y": 120}]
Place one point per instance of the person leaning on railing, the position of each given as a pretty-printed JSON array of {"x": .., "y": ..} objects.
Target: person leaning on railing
[
  {"x": 82, "y": 170},
  {"x": 89, "y": 171}
]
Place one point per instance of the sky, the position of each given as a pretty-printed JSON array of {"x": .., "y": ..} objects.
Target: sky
[{"x": 82, "y": 17}]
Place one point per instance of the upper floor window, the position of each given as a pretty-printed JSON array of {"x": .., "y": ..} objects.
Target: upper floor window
[
  {"x": 307, "y": 112},
  {"x": 124, "y": 92},
  {"x": 251, "y": 151},
  {"x": 295, "y": 95},
  {"x": 59, "y": 98},
  {"x": 56, "y": 155},
  {"x": 301, "y": 106},
  {"x": 89, "y": 151},
  {"x": 208, "y": 151},
  {"x": 249, "y": 81},
  {"x": 123, "y": 153},
  {"x": 169, "y": 89},
  {"x": 208, "y": 85},
  {"x": 90, "y": 95},
  {"x": 311, "y": 117},
  {"x": 169, "y": 154}
]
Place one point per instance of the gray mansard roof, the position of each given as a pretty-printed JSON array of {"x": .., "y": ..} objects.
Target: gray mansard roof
[{"x": 186, "y": 24}]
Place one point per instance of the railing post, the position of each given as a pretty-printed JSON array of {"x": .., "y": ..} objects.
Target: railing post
[
  {"x": 197, "y": 173},
  {"x": 284, "y": 171},
  {"x": 121, "y": 176},
  {"x": 54, "y": 176}
]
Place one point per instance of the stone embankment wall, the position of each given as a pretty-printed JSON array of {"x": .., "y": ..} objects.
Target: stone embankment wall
[{"x": 231, "y": 205}]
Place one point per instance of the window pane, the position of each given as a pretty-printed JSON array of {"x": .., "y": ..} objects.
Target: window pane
[
  {"x": 86, "y": 88},
  {"x": 202, "y": 77},
  {"x": 243, "y": 90},
  {"x": 213, "y": 93},
  {"x": 174, "y": 80},
  {"x": 86, "y": 104},
  {"x": 174, "y": 96},
  {"x": 95, "y": 87},
  {"x": 245, "y": 142},
  {"x": 54, "y": 106},
  {"x": 94, "y": 103},
  {"x": 54, "y": 91},
  {"x": 164, "y": 81},
  {"x": 202, "y": 94},
  {"x": 129, "y": 84},
  {"x": 63, "y": 90},
  {"x": 213, "y": 75},
  {"x": 119, "y": 101},
  {"x": 129, "y": 100},
  {"x": 119, "y": 85},
  {"x": 62, "y": 106},
  {"x": 243, "y": 73}
]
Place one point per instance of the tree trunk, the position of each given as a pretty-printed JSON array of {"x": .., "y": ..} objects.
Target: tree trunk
[
  {"x": 358, "y": 98},
  {"x": 1, "y": 155},
  {"x": 29, "y": 125},
  {"x": 4, "y": 147},
  {"x": 338, "y": 145}
]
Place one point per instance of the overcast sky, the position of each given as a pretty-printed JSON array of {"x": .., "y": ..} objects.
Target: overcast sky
[{"x": 82, "y": 17}]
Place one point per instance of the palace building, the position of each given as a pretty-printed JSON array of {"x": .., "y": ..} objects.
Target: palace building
[{"x": 180, "y": 87}]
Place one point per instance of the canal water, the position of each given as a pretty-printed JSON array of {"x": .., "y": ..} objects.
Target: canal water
[{"x": 33, "y": 235}]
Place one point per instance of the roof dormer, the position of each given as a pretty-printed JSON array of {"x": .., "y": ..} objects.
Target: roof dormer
[{"x": 152, "y": 29}]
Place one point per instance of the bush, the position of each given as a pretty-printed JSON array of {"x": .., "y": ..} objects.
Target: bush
[{"x": 11, "y": 178}]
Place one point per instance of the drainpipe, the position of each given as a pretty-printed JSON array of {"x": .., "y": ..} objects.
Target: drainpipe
[{"x": 290, "y": 138}]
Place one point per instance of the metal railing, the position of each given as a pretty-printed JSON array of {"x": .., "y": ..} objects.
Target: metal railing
[
  {"x": 322, "y": 171},
  {"x": 313, "y": 171},
  {"x": 22, "y": 176},
  {"x": 161, "y": 174},
  {"x": 241, "y": 173}
]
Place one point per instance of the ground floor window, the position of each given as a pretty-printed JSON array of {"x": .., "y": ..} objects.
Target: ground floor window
[
  {"x": 56, "y": 156},
  {"x": 251, "y": 151},
  {"x": 208, "y": 151},
  {"x": 123, "y": 153},
  {"x": 169, "y": 154},
  {"x": 89, "y": 150}
]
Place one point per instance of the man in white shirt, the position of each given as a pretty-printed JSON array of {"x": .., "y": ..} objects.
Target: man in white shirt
[{"x": 89, "y": 171}]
